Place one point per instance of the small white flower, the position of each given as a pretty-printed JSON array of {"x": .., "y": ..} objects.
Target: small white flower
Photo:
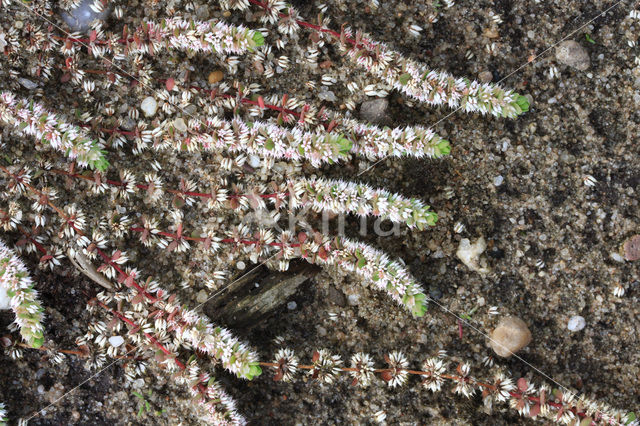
[
  {"x": 415, "y": 30},
  {"x": 379, "y": 416}
]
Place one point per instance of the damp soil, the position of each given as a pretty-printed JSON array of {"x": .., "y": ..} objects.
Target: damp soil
[{"x": 551, "y": 240}]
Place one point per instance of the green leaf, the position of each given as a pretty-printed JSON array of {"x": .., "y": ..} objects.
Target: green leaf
[
  {"x": 630, "y": 417},
  {"x": 138, "y": 394},
  {"x": 36, "y": 343},
  {"x": 523, "y": 103},
  {"x": 101, "y": 164},
  {"x": 269, "y": 144},
  {"x": 254, "y": 371},
  {"x": 258, "y": 38},
  {"x": 344, "y": 145},
  {"x": 589, "y": 39},
  {"x": 404, "y": 78},
  {"x": 361, "y": 260},
  {"x": 443, "y": 148},
  {"x": 432, "y": 218}
]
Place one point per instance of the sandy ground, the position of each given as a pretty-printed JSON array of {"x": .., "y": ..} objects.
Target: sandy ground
[{"x": 550, "y": 238}]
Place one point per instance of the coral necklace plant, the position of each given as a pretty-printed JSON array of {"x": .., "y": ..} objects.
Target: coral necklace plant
[{"x": 158, "y": 206}]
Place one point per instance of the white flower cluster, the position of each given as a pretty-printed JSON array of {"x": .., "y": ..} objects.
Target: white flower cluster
[
  {"x": 416, "y": 80},
  {"x": 374, "y": 142},
  {"x": 318, "y": 146},
  {"x": 16, "y": 282},
  {"x": 348, "y": 197},
  {"x": 204, "y": 36},
  {"x": 374, "y": 266},
  {"x": 218, "y": 406},
  {"x": 217, "y": 342},
  {"x": 32, "y": 119}
]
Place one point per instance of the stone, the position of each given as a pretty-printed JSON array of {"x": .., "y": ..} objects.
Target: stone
[
  {"x": 336, "y": 297},
  {"x": 28, "y": 84},
  {"x": 485, "y": 77},
  {"x": 180, "y": 125},
  {"x": 202, "y": 296},
  {"x": 510, "y": 336},
  {"x": 215, "y": 76},
  {"x": 469, "y": 254},
  {"x": 576, "y": 323},
  {"x": 253, "y": 161},
  {"x": 375, "y": 110},
  {"x": 80, "y": 18},
  {"x": 202, "y": 12},
  {"x": 5, "y": 300},
  {"x": 353, "y": 299},
  {"x": 572, "y": 53},
  {"x": 149, "y": 106},
  {"x": 292, "y": 305},
  {"x": 116, "y": 341},
  {"x": 631, "y": 248}
]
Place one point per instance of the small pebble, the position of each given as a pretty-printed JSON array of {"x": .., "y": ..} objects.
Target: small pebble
[
  {"x": 510, "y": 336},
  {"x": 240, "y": 265},
  {"x": 80, "y": 18},
  {"x": 202, "y": 296},
  {"x": 254, "y": 161},
  {"x": 485, "y": 76},
  {"x": 353, "y": 299},
  {"x": 576, "y": 323},
  {"x": 5, "y": 300},
  {"x": 497, "y": 181},
  {"x": 116, "y": 341},
  {"x": 292, "y": 305},
  {"x": 149, "y": 106},
  {"x": 215, "y": 76},
  {"x": 28, "y": 84},
  {"x": 631, "y": 248},
  {"x": 375, "y": 110},
  {"x": 435, "y": 293},
  {"x": 573, "y": 54},
  {"x": 40, "y": 389},
  {"x": 180, "y": 125},
  {"x": 616, "y": 257}
]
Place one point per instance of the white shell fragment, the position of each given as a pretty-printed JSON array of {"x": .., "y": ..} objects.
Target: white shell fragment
[
  {"x": 469, "y": 254},
  {"x": 576, "y": 323},
  {"x": 149, "y": 106},
  {"x": 116, "y": 341}
]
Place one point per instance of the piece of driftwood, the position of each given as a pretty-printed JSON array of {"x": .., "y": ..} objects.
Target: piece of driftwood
[{"x": 246, "y": 304}]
